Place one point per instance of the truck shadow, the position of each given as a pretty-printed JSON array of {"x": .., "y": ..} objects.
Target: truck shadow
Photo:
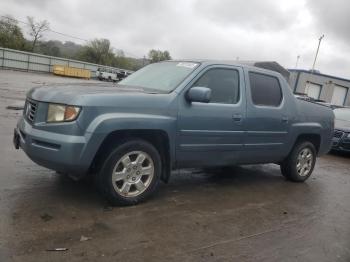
[
  {"x": 237, "y": 175},
  {"x": 239, "y": 185},
  {"x": 189, "y": 185}
]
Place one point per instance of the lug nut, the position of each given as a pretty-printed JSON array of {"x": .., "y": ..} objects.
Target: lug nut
[{"x": 133, "y": 179}]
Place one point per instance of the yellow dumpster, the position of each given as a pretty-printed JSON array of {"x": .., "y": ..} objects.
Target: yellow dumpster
[{"x": 71, "y": 71}]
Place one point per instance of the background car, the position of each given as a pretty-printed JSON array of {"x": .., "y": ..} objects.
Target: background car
[
  {"x": 341, "y": 138},
  {"x": 107, "y": 74}
]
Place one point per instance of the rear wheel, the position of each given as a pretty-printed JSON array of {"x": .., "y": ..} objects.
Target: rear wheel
[
  {"x": 131, "y": 173},
  {"x": 300, "y": 163}
]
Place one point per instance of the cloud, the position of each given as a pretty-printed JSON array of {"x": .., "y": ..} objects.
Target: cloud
[
  {"x": 254, "y": 15},
  {"x": 212, "y": 29},
  {"x": 332, "y": 17}
]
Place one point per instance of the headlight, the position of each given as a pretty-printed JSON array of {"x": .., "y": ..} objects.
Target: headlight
[{"x": 62, "y": 113}]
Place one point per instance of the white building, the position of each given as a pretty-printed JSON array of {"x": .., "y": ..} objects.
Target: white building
[{"x": 332, "y": 89}]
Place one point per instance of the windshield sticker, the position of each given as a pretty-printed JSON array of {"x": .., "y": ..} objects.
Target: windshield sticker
[{"x": 186, "y": 64}]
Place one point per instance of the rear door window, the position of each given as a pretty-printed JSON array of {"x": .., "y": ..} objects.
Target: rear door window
[{"x": 265, "y": 89}]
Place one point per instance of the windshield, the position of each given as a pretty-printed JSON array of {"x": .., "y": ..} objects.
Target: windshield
[
  {"x": 342, "y": 114},
  {"x": 161, "y": 77}
]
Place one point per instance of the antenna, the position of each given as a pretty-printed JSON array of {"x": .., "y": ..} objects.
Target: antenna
[{"x": 318, "y": 48}]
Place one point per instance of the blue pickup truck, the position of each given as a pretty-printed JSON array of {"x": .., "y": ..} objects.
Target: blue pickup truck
[{"x": 169, "y": 115}]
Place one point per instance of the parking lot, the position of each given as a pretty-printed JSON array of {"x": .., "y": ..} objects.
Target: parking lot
[{"x": 248, "y": 213}]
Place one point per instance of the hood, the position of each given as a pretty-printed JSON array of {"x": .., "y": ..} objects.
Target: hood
[
  {"x": 342, "y": 125},
  {"x": 75, "y": 94}
]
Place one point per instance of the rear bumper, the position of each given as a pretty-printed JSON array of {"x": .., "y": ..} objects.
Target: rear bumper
[{"x": 54, "y": 151}]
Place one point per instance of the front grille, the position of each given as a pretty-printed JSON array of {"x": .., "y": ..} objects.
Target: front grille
[
  {"x": 346, "y": 146},
  {"x": 30, "y": 110},
  {"x": 338, "y": 134}
]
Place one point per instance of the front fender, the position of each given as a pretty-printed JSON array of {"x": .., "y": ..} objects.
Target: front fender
[{"x": 105, "y": 124}]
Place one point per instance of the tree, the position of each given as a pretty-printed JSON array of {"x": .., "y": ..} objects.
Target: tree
[
  {"x": 97, "y": 51},
  {"x": 158, "y": 55},
  {"x": 49, "y": 48},
  {"x": 69, "y": 49},
  {"x": 121, "y": 61},
  {"x": 37, "y": 30},
  {"x": 11, "y": 35}
]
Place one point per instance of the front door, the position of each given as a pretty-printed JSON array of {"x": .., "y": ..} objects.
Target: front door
[{"x": 212, "y": 133}]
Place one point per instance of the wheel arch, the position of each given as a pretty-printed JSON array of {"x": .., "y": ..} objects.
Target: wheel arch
[
  {"x": 313, "y": 138},
  {"x": 157, "y": 137}
]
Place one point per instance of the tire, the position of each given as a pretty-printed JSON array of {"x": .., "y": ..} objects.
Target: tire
[
  {"x": 300, "y": 163},
  {"x": 130, "y": 173}
]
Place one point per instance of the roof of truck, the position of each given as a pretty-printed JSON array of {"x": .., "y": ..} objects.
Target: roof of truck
[{"x": 268, "y": 65}]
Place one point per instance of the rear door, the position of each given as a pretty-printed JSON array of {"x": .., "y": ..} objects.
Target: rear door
[
  {"x": 213, "y": 133},
  {"x": 267, "y": 122}
]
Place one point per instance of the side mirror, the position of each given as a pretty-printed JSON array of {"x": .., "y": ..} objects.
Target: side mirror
[{"x": 199, "y": 94}]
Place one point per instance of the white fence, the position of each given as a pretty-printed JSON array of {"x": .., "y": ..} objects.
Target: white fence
[{"x": 14, "y": 59}]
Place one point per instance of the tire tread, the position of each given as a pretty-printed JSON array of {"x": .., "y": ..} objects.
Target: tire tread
[
  {"x": 103, "y": 178},
  {"x": 288, "y": 166}
]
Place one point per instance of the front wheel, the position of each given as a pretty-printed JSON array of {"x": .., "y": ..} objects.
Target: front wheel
[
  {"x": 300, "y": 163},
  {"x": 130, "y": 173}
]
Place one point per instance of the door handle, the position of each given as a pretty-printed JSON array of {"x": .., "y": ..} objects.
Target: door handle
[
  {"x": 237, "y": 117},
  {"x": 285, "y": 119}
]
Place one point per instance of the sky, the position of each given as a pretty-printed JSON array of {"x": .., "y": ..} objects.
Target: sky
[{"x": 259, "y": 30}]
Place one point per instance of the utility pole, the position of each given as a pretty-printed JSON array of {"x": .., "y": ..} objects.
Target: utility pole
[
  {"x": 296, "y": 63},
  {"x": 318, "y": 48}
]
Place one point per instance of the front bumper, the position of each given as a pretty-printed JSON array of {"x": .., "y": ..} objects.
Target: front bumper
[
  {"x": 55, "y": 151},
  {"x": 341, "y": 143}
]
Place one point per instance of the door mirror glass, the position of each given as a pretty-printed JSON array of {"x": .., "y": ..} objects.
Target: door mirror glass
[{"x": 199, "y": 94}]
